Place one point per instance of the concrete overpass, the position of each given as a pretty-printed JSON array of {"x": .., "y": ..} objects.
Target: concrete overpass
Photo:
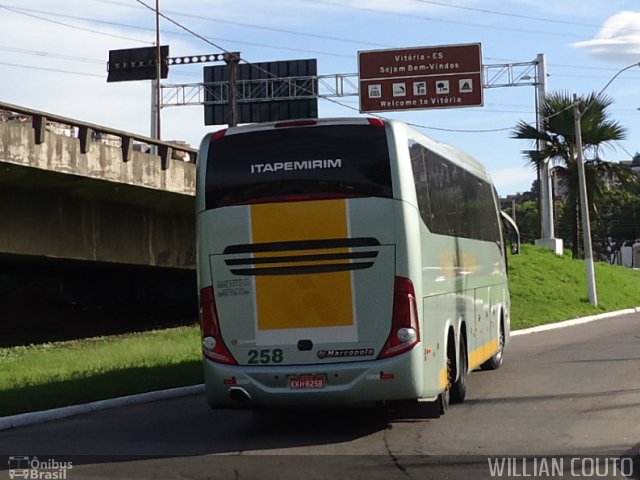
[
  {"x": 96, "y": 236},
  {"x": 73, "y": 190}
]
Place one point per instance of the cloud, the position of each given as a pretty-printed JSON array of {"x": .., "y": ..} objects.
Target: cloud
[{"x": 618, "y": 41}]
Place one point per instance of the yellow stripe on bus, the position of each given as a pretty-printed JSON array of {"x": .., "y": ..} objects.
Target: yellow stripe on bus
[
  {"x": 444, "y": 378},
  {"x": 483, "y": 353},
  {"x": 305, "y": 300}
]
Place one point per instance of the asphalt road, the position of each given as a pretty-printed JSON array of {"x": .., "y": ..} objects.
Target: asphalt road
[{"x": 562, "y": 393}]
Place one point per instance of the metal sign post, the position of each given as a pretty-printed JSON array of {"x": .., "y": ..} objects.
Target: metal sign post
[{"x": 232, "y": 60}]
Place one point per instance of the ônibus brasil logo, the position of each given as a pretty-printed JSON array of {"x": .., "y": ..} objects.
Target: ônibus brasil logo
[{"x": 38, "y": 469}]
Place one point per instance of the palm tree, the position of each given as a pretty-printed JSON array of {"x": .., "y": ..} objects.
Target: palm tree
[{"x": 557, "y": 141}]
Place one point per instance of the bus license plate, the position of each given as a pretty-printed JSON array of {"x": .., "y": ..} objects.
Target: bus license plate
[{"x": 307, "y": 381}]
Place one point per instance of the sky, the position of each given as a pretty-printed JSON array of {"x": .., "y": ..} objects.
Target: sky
[{"x": 53, "y": 58}]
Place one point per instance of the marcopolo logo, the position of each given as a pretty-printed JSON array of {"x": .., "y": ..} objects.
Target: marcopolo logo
[
  {"x": 38, "y": 469},
  {"x": 356, "y": 352},
  {"x": 298, "y": 165}
]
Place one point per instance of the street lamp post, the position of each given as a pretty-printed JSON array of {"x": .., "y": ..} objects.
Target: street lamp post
[
  {"x": 584, "y": 207},
  {"x": 584, "y": 204}
]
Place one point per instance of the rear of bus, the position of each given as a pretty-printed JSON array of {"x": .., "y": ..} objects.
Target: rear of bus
[{"x": 308, "y": 264}]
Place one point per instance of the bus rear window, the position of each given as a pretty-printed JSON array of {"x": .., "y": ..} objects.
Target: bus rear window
[{"x": 288, "y": 164}]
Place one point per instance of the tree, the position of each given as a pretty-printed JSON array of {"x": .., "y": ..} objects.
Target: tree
[
  {"x": 636, "y": 160},
  {"x": 618, "y": 217},
  {"x": 528, "y": 219},
  {"x": 558, "y": 146},
  {"x": 527, "y": 214}
]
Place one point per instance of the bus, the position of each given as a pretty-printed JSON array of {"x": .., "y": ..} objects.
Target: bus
[{"x": 344, "y": 262}]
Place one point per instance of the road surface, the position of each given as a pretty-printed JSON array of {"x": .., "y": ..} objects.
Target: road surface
[{"x": 562, "y": 393}]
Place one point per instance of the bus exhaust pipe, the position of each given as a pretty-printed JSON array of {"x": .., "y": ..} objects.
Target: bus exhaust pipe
[{"x": 239, "y": 394}]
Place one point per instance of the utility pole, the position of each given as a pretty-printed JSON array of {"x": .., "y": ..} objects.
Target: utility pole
[
  {"x": 156, "y": 88},
  {"x": 584, "y": 206},
  {"x": 158, "y": 93},
  {"x": 547, "y": 239}
]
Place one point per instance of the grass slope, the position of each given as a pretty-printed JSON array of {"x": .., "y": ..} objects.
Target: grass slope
[
  {"x": 546, "y": 288},
  {"x": 50, "y": 375}
]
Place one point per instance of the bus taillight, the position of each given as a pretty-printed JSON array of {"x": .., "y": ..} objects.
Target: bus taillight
[
  {"x": 213, "y": 346},
  {"x": 219, "y": 134},
  {"x": 405, "y": 331}
]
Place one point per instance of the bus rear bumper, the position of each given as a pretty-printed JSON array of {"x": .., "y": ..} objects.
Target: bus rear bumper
[{"x": 342, "y": 384}]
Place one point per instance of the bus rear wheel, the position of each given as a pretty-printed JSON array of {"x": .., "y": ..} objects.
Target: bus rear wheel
[
  {"x": 438, "y": 407},
  {"x": 458, "y": 390},
  {"x": 496, "y": 361}
]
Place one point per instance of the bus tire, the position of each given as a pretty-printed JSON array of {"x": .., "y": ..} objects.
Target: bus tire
[
  {"x": 442, "y": 403},
  {"x": 458, "y": 390},
  {"x": 496, "y": 361},
  {"x": 436, "y": 408}
]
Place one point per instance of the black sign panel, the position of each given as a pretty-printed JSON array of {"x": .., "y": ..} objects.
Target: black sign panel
[
  {"x": 280, "y": 91},
  {"x": 137, "y": 64}
]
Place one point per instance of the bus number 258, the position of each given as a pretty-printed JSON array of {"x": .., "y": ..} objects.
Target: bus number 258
[{"x": 265, "y": 356}]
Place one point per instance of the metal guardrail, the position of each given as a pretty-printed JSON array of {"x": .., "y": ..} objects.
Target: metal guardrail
[{"x": 85, "y": 131}]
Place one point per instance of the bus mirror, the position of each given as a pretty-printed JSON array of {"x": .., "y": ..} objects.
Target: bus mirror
[
  {"x": 515, "y": 244},
  {"x": 514, "y": 232}
]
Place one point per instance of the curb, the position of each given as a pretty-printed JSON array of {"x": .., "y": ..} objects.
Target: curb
[
  {"x": 33, "y": 418},
  {"x": 575, "y": 321}
]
